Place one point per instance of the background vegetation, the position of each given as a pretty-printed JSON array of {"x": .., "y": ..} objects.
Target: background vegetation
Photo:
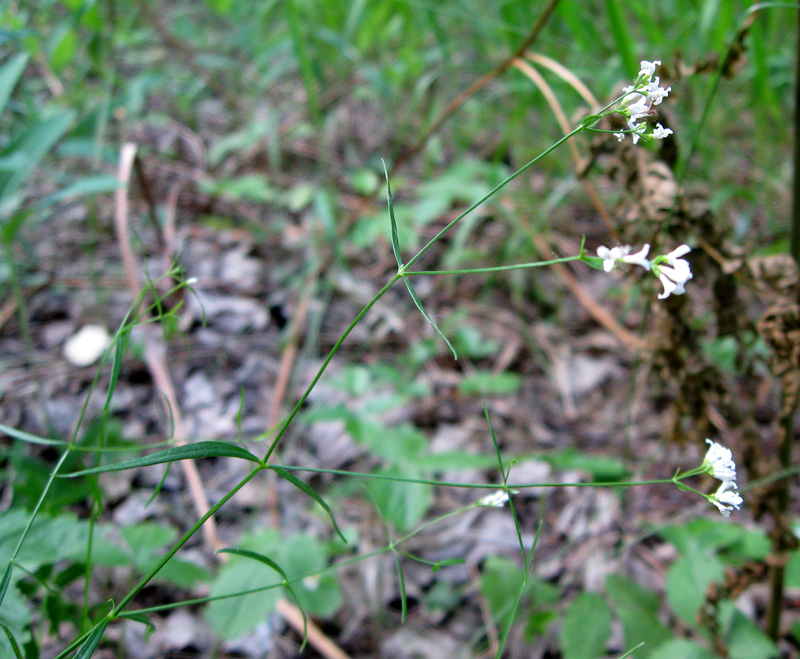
[{"x": 259, "y": 130}]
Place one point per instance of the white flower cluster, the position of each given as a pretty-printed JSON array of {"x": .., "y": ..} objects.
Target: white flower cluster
[
  {"x": 671, "y": 269},
  {"x": 640, "y": 97},
  {"x": 719, "y": 463},
  {"x": 494, "y": 500}
]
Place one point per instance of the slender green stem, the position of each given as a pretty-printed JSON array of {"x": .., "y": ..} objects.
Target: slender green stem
[
  {"x": 499, "y": 268},
  {"x": 322, "y": 368},
  {"x": 480, "y": 486},
  {"x": 492, "y": 192},
  {"x": 165, "y": 558}
]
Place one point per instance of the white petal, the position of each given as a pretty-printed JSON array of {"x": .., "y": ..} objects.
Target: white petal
[
  {"x": 640, "y": 258},
  {"x": 669, "y": 286},
  {"x": 677, "y": 253}
]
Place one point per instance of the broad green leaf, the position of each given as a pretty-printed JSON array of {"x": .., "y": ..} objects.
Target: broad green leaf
[
  {"x": 427, "y": 317},
  {"x": 687, "y": 583},
  {"x": 500, "y": 579},
  {"x": 681, "y": 648},
  {"x": 272, "y": 564},
  {"x": 30, "y": 147},
  {"x": 586, "y": 628},
  {"x": 486, "y": 383},
  {"x": 402, "y": 504},
  {"x": 320, "y": 593},
  {"x": 702, "y": 535},
  {"x": 743, "y": 637},
  {"x": 209, "y": 449},
  {"x": 289, "y": 476},
  {"x": 90, "y": 644},
  {"x": 395, "y": 240},
  {"x": 602, "y": 468},
  {"x": 638, "y": 610},
  {"x": 9, "y": 76},
  {"x": 236, "y": 616}
]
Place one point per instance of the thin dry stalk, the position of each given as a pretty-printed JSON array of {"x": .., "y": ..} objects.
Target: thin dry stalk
[{"x": 154, "y": 350}]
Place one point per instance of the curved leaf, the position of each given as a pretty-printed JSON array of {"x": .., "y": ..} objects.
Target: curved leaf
[
  {"x": 305, "y": 488},
  {"x": 270, "y": 563},
  {"x": 427, "y": 317},
  {"x": 187, "y": 452}
]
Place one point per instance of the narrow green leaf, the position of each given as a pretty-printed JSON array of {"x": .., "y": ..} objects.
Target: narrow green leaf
[
  {"x": 5, "y": 581},
  {"x": 91, "y": 642},
  {"x": 395, "y": 240},
  {"x": 618, "y": 25},
  {"x": 9, "y": 76},
  {"x": 270, "y": 563},
  {"x": 187, "y": 452},
  {"x": 494, "y": 442},
  {"x": 403, "y": 599},
  {"x": 89, "y": 185},
  {"x": 427, "y": 317},
  {"x": 12, "y": 641},
  {"x": 305, "y": 488},
  {"x": 144, "y": 619},
  {"x": 28, "y": 437},
  {"x": 29, "y": 148}
]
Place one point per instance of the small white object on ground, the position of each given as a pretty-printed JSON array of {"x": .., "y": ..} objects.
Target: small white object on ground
[{"x": 86, "y": 345}]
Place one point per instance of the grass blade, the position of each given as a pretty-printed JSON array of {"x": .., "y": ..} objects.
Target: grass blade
[
  {"x": 622, "y": 39},
  {"x": 188, "y": 452},
  {"x": 28, "y": 149},
  {"x": 300, "y": 485},
  {"x": 395, "y": 240},
  {"x": 427, "y": 317},
  {"x": 9, "y": 76}
]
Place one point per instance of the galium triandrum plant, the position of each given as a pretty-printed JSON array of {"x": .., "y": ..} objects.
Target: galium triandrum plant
[
  {"x": 672, "y": 270},
  {"x": 638, "y": 103}
]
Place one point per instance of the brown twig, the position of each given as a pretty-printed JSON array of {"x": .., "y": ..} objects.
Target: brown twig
[
  {"x": 154, "y": 350},
  {"x": 555, "y": 106},
  {"x": 477, "y": 86}
]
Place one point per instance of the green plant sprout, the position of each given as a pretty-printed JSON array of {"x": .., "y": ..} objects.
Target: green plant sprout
[{"x": 637, "y": 103}]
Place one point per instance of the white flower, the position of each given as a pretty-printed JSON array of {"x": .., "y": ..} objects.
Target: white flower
[
  {"x": 719, "y": 462},
  {"x": 621, "y": 253},
  {"x": 648, "y": 69},
  {"x": 674, "y": 275},
  {"x": 656, "y": 93},
  {"x": 726, "y": 498},
  {"x": 619, "y": 136},
  {"x": 659, "y": 132},
  {"x": 639, "y": 258},
  {"x": 611, "y": 256},
  {"x": 494, "y": 500},
  {"x": 191, "y": 281}
]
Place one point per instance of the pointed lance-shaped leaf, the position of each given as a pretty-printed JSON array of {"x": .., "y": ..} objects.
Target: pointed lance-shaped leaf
[
  {"x": 187, "y": 452},
  {"x": 427, "y": 317},
  {"x": 287, "y": 475}
]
